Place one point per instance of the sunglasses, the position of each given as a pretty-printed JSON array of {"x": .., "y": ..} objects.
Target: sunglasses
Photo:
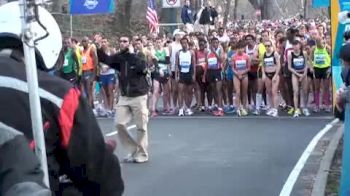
[{"x": 267, "y": 46}]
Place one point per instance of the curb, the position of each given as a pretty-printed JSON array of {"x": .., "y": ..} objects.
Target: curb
[{"x": 319, "y": 186}]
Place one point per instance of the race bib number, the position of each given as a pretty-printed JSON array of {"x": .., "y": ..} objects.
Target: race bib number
[
  {"x": 213, "y": 63},
  {"x": 104, "y": 68},
  {"x": 65, "y": 63},
  {"x": 185, "y": 67},
  {"x": 241, "y": 64},
  {"x": 83, "y": 59},
  {"x": 269, "y": 62},
  {"x": 163, "y": 67},
  {"x": 298, "y": 63},
  {"x": 320, "y": 59}
]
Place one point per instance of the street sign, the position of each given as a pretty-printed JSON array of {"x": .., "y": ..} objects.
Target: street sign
[
  {"x": 91, "y": 7},
  {"x": 171, "y": 3}
]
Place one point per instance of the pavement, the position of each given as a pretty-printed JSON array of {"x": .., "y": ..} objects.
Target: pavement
[{"x": 206, "y": 156}]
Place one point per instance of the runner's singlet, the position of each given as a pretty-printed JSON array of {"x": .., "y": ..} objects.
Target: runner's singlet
[
  {"x": 321, "y": 58},
  {"x": 270, "y": 60},
  {"x": 213, "y": 62},
  {"x": 185, "y": 61},
  {"x": 298, "y": 61},
  {"x": 87, "y": 60},
  {"x": 200, "y": 55},
  {"x": 69, "y": 63},
  {"x": 175, "y": 47}
]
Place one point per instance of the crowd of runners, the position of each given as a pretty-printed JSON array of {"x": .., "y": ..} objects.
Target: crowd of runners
[{"x": 247, "y": 68}]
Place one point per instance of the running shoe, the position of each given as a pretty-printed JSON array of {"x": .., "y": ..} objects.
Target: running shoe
[
  {"x": 322, "y": 107},
  {"x": 306, "y": 112},
  {"x": 181, "y": 112},
  {"x": 290, "y": 111},
  {"x": 231, "y": 110},
  {"x": 102, "y": 113},
  {"x": 195, "y": 106},
  {"x": 219, "y": 112},
  {"x": 283, "y": 105},
  {"x": 172, "y": 111},
  {"x": 270, "y": 112},
  {"x": 226, "y": 108},
  {"x": 328, "y": 109},
  {"x": 154, "y": 114},
  {"x": 256, "y": 112},
  {"x": 296, "y": 113},
  {"x": 216, "y": 113},
  {"x": 264, "y": 106},
  {"x": 165, "y": 112},
  {"x": 239, "y": 112},
  {"x": 274, "y": 113},
  {"x": 316, "y": 109},
  {"x": 202, "y": 108},
  {"x": 244, "y": 112},
  {"x": 188, "y": 112},
  {"x": 110, "y": 114},
  {"x": 130, "y": 158}
]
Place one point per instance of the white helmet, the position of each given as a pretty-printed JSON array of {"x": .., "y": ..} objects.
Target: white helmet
[{"x": 47, "y": 49}]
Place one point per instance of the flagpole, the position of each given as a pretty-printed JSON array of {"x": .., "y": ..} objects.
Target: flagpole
[{"x": 71, "y": 25}]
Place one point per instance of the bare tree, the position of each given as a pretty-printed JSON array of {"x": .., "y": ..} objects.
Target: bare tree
[
  {"x": 227, "y": 11},
  {"x": 264, "y": 6},
  {"x": 235, "y": 10},
  {"x": 122, "y": 16},
  {"x": 56, "y": 5}
]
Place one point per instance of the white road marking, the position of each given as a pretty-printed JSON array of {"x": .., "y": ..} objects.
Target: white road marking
[
  {"x": 116, "y": 132},
  {"x": 293, "y": 176}
]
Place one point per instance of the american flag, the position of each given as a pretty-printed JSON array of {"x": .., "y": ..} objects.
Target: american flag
[{"x": 152, "y": 16}]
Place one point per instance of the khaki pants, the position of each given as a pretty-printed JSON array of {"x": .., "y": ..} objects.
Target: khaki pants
[{"x": 136, "y": 108}]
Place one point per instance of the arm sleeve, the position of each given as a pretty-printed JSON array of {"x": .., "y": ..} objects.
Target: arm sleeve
[
  {"x": 183, "y": 15},
  {"x": 113, "y": 61},
  {"x": 166, "y": 61},
  {"x": 141, "y": 64},
  {"x": 20, "y": 171},
  {"x": 91, "y": 166}
]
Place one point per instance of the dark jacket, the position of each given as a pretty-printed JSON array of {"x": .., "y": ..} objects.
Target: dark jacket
[
  {"x": 74, "y": 142},
  {"x": 20, "y": 173},
  {"x": 345, "y": 95},
  {"x": 132, "y": 69},
  {"x": 208, "y": 16},
  {"x": 186, "y": 15}
]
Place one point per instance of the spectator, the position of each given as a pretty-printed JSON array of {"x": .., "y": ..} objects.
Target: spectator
[
  {"x": 133, "y": 101},
  {"x": 343, "y": 94},
  {"x": 206, "y": 16},
  {"x": 187, "y": 16}
]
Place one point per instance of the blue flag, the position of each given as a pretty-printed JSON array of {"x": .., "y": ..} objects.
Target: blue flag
[
  {"x": 320, "y": 3},
  {"x": 91, "y": 6}
]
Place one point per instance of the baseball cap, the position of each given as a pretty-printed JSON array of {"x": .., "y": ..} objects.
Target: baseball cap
[{"x": 178, "y": 32}]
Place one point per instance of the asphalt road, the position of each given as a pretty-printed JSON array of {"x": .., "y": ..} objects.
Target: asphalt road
[{"x": 206, "y": 156}]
